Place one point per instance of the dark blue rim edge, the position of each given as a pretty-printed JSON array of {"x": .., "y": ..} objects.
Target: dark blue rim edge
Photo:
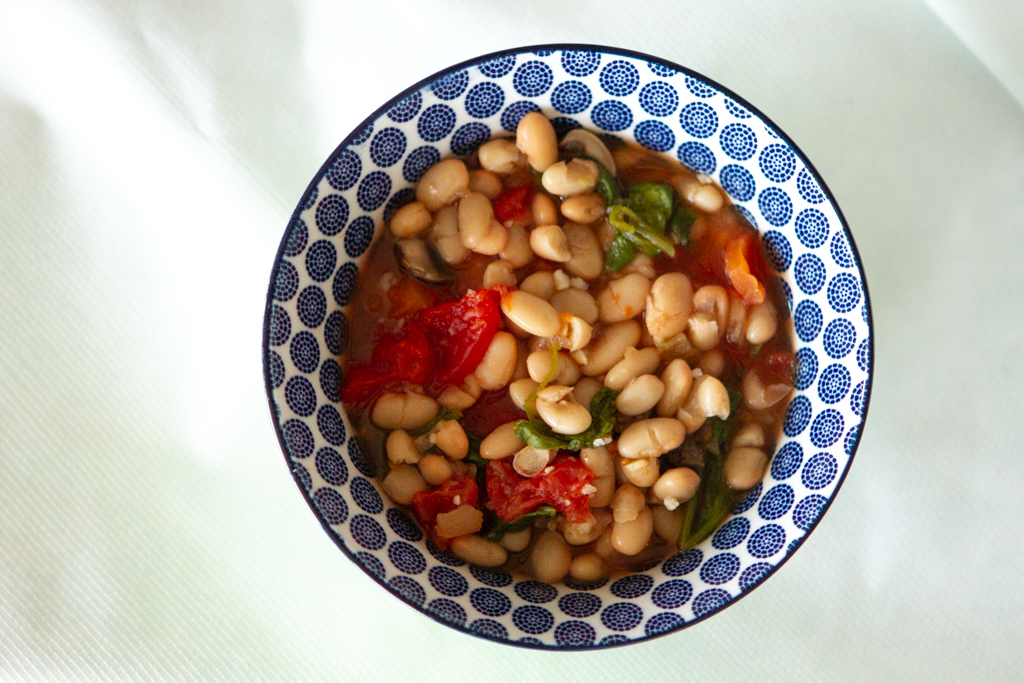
[{"x": 380, "y": 111}]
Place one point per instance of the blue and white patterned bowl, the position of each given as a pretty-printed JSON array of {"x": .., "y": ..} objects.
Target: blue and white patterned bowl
[{"x": 666, "y": 108}]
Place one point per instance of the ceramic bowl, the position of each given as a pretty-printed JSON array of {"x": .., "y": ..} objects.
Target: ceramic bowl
[{"x": 664, "y": 107}]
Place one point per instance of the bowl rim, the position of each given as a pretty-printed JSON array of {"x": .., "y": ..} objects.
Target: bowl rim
[{"x": 603, "y": 49}]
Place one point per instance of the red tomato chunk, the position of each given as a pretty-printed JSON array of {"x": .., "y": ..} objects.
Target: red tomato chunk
[
  {"x": 427, "y": 505},
  {"x": 562, "y": 487},
  {"x": 513, "y": 204}
]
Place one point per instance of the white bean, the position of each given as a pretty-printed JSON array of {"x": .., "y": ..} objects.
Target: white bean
[
  {"x": 479, "y": 551},
  {"x": 714, "y": 300},
  {"x": 541, "y": 284},
  {"x": 573, "y": 177},
  {"x": 667, "y": 523},
  {"x": 588, "y": 567},
  {"x": 531, "y": 313},
  {"x": 539, "y": 364},
  {"x": 401, "y": 448},
  {"x": 445, "y": 236},
  {"x": 550, "y": 557},
  {"x": 411, "y": 219},
  {"x": 436, "y": 469},
  {"x": 640, "y": 395},
  {"x": 549, "y": 242},
  {"x": 635, "y": 362},
  {"x": 703, "y": 330},
  {"x": 501, "y": 443},
  {"x": 761, "y": 397},
  {"x": 669, "y": 304},
  {"x": 762, "y": 322},
  {"x": 498, "y": 273},
  {"x": 485, "y": 182},
  {"x": 442, "y": 183},
  {"x": 749, "y": 435},
  {"x": 499, "y": 362},
  {"x": 608, "y": 347},
  {"x": 627, "y": 503},
  {"x": 642, "y": 472},
  {"x": 623, "y": 298},
  {"x": 517, "y": 252},
  {"x": 676, "y": 486},
  {"x": 560, "y": 411},
  {"x": 543, "y": 209},
  {"x": 520, "y": 390},
  {"x": 677, "y": 378},
  {"x": 651, "y": 438},
  {"x": 584, "y": 208},
  {"x": 449, "y": 436},
  {"x": 403, "y": 411},
  {"x": 585, "y": 390},
  {"x": 499, "y": 156},
  {"x": 736, "y": 325},
  {"x": 587, "y": 260},
  {"x": 402, "y": 483},
  {"x": 516, "y": 541},
  {"x": 574, "y": 333},
  {"x": 586, "y": 532},
  {"x": 578, "y": 302},
  {"x": 712, "y": 362},
  {"x": 535, "y": 137},
  {"x": 629, "y": 538},
  {"x": 475, "y": 217},
  {"x": 744, "y": 467}
]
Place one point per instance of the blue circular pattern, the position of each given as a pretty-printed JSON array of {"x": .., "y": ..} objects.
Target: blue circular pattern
[
  {"x": 489, "y": 628},
  {"x": 622, "y": 616},
  {"x": 450, "y": 86},
  {"x": 320, "y": 260},
  {"x": 331, "y": 466},
  {"x": 498, "y": 67},
  {"x": 787, "y": 461},
  {"x": 709, "y": 600},
  {"x": 362, "y": 136},
  {"x": 405, "y": 196},
  {"x": 699, "y": 120},
  {"x": 484, "y": 100},
  {"x": 387, "y": 147},
  {"x": 777, "y": 162},
  {"x": 580, "y": 63},
  {"x": 533, "y": 619},
  {"x": 843, "y": 293},
  {"x": 807, "y": 511},
  {"x": 280, "y": 326},
  {"x": 852, "y": 437},
  {"x": 798, "y": 416},
  {"x": 297, "y": 238},
  {"x": 661, "y": 70},
  {"x": 366, "y": 496},
  {"x": 300, "y": 396},
  {"x": 298, "y": 438},
  {"x": 436, "y": 122},
  {"x": 331, "y": 505},
  {"x": 579, "y": 605},
  {"x": 447, "y": 581},
  {"x": 489, "y": 577},
  {"x": 809, "y": 272},
  {"x": 614, "y": 639},
  {"x": 827, "y": 427},
  {"x": 612, "y": 116},
  {"x": 287, "y": 281},
  {"x": 407, "y": 108},
  {"x": 402, "y": 525},
  {"x": 345, "y": 283},
  {"x": 418, "y": 161},
  {"x": 738, "y": 141},
  {"x": 367, "y": 532},
  {"x": 406, "y": 558},
  {"x": 490, "y": 602},
  {"x": 699, "y": 88},
  {"x": 409, "y": 588},
  {"x": 682, "y": 564},
  {"x": 563, "y": 124},
  {"x": 448, "y": 610},
  {"x": 808, "y": 187},
  {"x": 697, "y": 157},
  {"x": 662, "y": 623},
  {"x": 864, "y": 355},
  {"x": 468, "y": 137},
  {"x": 578, "y": 585},
  {"x": 632, "y": 586},
  {"x": 532, "y": 78},
  {"x": 731, "y": 534},
  {"x": 310, "y": 198},
  {"x": 839, "y": 338},
  {"x": 753, "y": 574},
  {"x": 330, "y": 380},
  {"x": 514, "y": 112},
  {"x": 775, "y": 205},
  {"x": 275, "y": 367},
  {"x": 305, "y": 352},
  {"x": 807, "y": 320},
  {"x": 857, "y": 399},
  {"x": 776, "y": 502},
  {"x": 332, "y": 214},
  {"x": 840, "y": 251},
  {"x": 766, "y": 541},
  {"x": 811, "y": 228},
  {"x": 328, "y": 421},
  {"x": 819, "y": 471},
  {"x": 361, "y": 462},
  {"x": 371, "y": 563},
  {"x": 301, "y": 474},
  {"x": 833, "y": 384},
  {"x": 655, "y": 136},
  {"x": 776, "y": 246},
  {"x": 619, "y": 78},
  {"x": 575, "y": 634},
  {"x": 738, "y": 182},
  {"x": 336, "y": 333},
  {"x": 719, "y": 569},
  {"x": 311, "y": 306},
  {"x": 345, "y": 170},
  {"x": 658, "y": 98},
  {"x": 358, "y": 236},
  {"x": 672, "y": 594},
  {"x": 571, "y": 97},
  {"x": 736, "y": 110},
  {"x": 749, "y": 500},
  {"x": 445, "y": 556},
  {"x": 536, "y": 591},
  {"x": 373, "y": 190}
]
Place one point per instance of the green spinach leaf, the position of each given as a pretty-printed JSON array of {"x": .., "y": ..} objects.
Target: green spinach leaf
[
  {"x": 681, "y": 222},
  {"x": 500, "y": 527},
  {"x": 620, "y": 254},
  {"x": 652, "y": 202}
]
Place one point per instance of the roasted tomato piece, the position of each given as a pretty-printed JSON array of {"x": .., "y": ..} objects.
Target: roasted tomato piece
[
  {"x": 561, "y": 485},
  {"x": 427, "y": 505},
  {"x": 459, "y": 334},
  {"x": 513, "y": 204},
  {"x": 398, "y": 359}
]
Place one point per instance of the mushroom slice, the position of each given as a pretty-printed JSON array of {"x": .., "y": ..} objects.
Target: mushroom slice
[
  {"x": 420, "y": 260},
  {"x": 583, "y": 143}
]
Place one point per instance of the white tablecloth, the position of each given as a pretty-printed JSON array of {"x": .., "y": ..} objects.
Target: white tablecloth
[{"x": 150, "y": 155}]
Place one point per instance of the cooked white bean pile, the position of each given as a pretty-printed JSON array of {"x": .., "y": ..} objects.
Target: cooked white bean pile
[{"x": 570, "y": 328}]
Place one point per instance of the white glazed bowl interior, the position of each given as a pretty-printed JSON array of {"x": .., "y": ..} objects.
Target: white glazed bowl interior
[{"x": 666, "y": 108}]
